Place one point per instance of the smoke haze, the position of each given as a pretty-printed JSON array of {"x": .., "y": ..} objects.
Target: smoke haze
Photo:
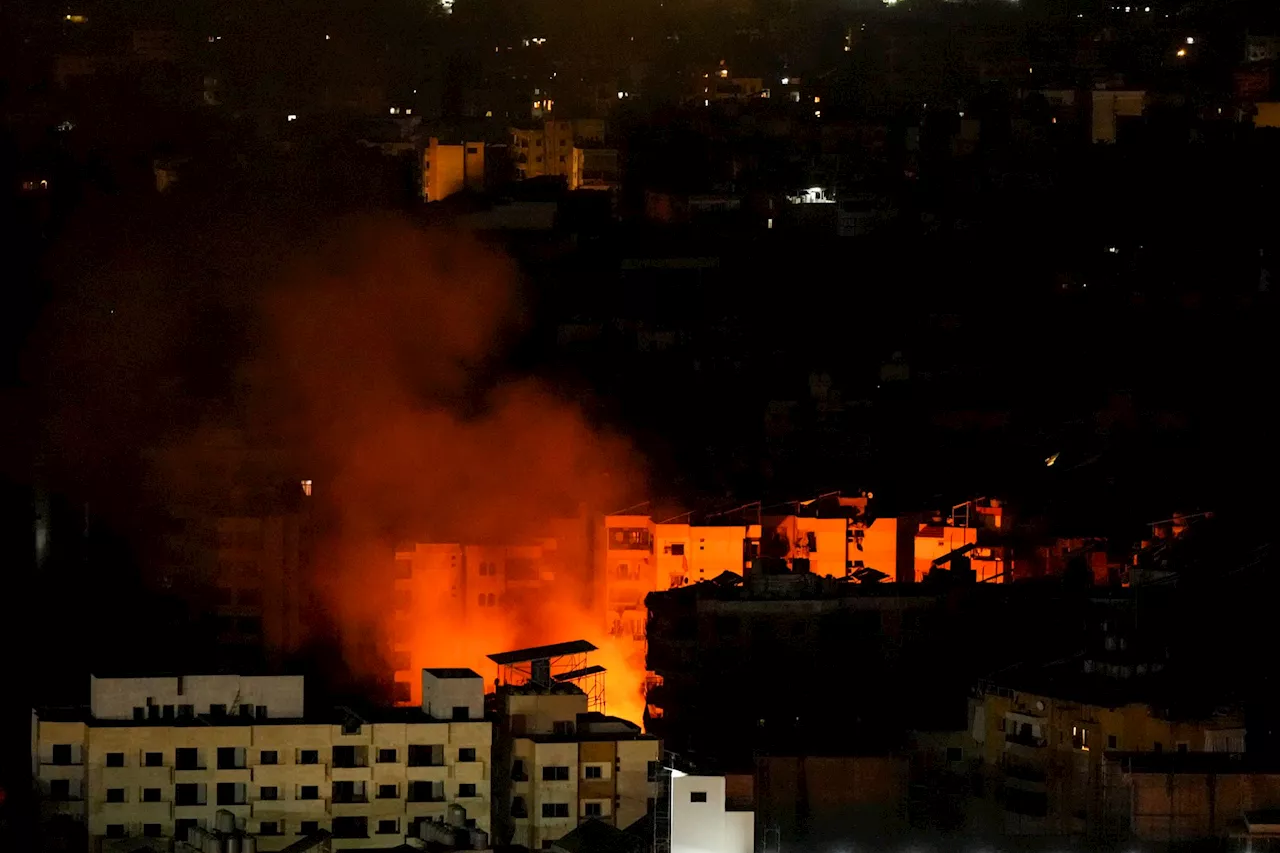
[{"x": 372, "y": 366}]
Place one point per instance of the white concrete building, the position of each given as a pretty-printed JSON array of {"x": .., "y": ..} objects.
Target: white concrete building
[
  {"x": 371, "y": 779},
  {"x": 699, "y": 821}
]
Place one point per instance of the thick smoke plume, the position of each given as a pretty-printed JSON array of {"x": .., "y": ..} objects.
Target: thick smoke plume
[
  {"x": 373, "y": 358},
  {"x": 377, "y": 351}
]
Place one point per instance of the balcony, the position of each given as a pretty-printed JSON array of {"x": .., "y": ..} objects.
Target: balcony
[
  {"x": 350, "y": 774},
  {"x": 139, "y": 777},
  {"x": 432, "y": 808},
  {"x": 429, "y": 773},
  {"x": 134, "y": 812},
  {"x": 349, "y": 808},
  {"x": 243, "y": 775},
  {"x": 193, "y": 774},
  {"x": 1024, "y": 745},
  {"x": 470, "y": 771},
  {"x": 289, "y": 809}
]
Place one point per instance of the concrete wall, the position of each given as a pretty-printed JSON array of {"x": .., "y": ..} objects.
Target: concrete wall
[
  {"x": 440, "y": 695},
  {"x": 116, "y": 698},
  {"x": 819, "y": 801},
  {"x": 705, "y": 827}
]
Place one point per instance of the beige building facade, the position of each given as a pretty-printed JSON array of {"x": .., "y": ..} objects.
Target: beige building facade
[{"x": 370, "y": 779}]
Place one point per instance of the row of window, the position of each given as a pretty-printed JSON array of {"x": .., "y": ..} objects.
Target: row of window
[
  {"x": 349, "y": 827},
  {"x": 234, "y": 757},
  {"x": 232, "y": 793},
  {"x": 217, "y": 710}
]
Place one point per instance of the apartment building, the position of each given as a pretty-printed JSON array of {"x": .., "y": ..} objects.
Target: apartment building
[
  {"x": 548, "y": 149},
  {"x": 153, "y": 758},
  {"x": 449, "y": 169},
  {"x": 1042, "y": 750},
  {"x": 700, "y": 820},
  {"x": 558, "y": 765}
]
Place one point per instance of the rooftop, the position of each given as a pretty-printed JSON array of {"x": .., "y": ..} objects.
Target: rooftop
[{"x": 453, "y": 672}]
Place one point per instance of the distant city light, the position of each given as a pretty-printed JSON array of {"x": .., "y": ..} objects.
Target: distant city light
[
  {"x": 78, "y": 19},
  {"x": 395, "y": 111},
  {"x": 326, "y": 36},
  {"x": 1182, "y": 51},
  {"x": 1191, "y": 40},
  {"x": 306, "y": 488},
  {"x": 1051, "y": 460},
  {"x": 786, "y": 80},
  {"x": 817, "y": 113},
  {"x": 724, "y": 72},
  {"x": 291, "y": 117}
]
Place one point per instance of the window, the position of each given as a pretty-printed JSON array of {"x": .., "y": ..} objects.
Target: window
[
  {"x": 677, "y": 549},
  {"x": 461, "y": 713},
  {"x": 955, "y": 753},
  {"x": 346, "y": 756},
  {"x": 386, "y": 756},
  {"x": 246, "y": 711},
  {"x": 60, "y": 789},
  {"x": 151, "y": 830},
  {"x": 167, "y": 712},
  {"x": 697, "y": 796},
  {"x": 555, "y": 774},
  {"x": 387, "y": 792},
  {"x": 268, "y": 792},
  {"x": 182, "y": 825},
  {"x": 466, "y": 789},
  {"x": 269, "y": 827},
  {"x": 231, "y": 794},
  {"x": 348, "y": 792},
  {"x": 309, "y": 792},
  {"x": 555, "y": 809},
  {"x": 262, "y": 712},
  {"x": 518, "y": 771},
  {"x": 592, "y": 809},
  {"x": 388, "y": 827},
  {"x": 350, "y": 827},
  {"x": 1111, "y": 741},
  {"x": 186, "y": 712},
  {"x": 187, "y": 794},
  {"x": 151, "y": 795},
  {"x": 425, "y": 755},
  {"x": 115, "y": 759},
  {"x": 309, "y": 756},
  {"x": 467, "y": 753},
  {"x": 115, "y": 795},
  {"x": 62, "y": 753},
  {"x": 115, "y": 830},
  {"x": 593, "y": 771},
  {"x": 1183, "y": 746},
  {"x": 561, "y": 158},
  {"x": 563, "y": 727},
  {"x": 186, "y": 758},
  {"x": 217, "y": 710},
  {"x": 230, "y": 758},
  {"x": 153, "y": 759},
  {"x": 268, "y": 756},
  {"x": 309, "y": 827},
  {"x": 426, "y": 792},
  {"x": 518, "y": 807},
  {"x": 139, "y": 713}
]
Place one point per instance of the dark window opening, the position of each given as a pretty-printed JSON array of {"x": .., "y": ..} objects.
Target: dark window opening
[
  {"x": 115, "y": 830},
  {"x": 309, "y": 792},
  {"x": 388, "y": 827},
  {"x": 466, "y": 789},
  {"x": 387, "y": 792},
  {"x": 309, "y": 756},
  {"x": 309, "y": 827},
  {"x": 186, "y": 758},
  {"x": 268, "y": 827},
  {"x": 593, "y": 771},
  {"x": 467, "y": 753},
  {"x": 115, "y": 759},
  {"x": 151, "y": 830},
  {"x": 62, "y": 753},
  {"x": 268, "y": 756},
  {"x": 151, "y": 795},
  {"x": 153, "y": 759},
  {"x": 697, "y": 796},
  {"x": 555, "y": 774},
  {"x": 555, "y": 809},
  {"x": 268, "y": 792},
  {"x": 386, "y": 756},
  {"x": 593, "y": 810}
]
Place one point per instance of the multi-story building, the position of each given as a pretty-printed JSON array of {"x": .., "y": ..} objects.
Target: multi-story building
[
  {"x": 1043, "y": 749},
  {"x": 157, "y": 757},
  {"x": 548, "y": 149},
  {"x": 450, "y": 169},
  {"x": 700, "y": 820},
  {"x": 557, "y": 764}
]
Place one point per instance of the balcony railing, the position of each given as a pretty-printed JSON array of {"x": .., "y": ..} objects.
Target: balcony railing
[{"x": 1026, "y": 740}]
